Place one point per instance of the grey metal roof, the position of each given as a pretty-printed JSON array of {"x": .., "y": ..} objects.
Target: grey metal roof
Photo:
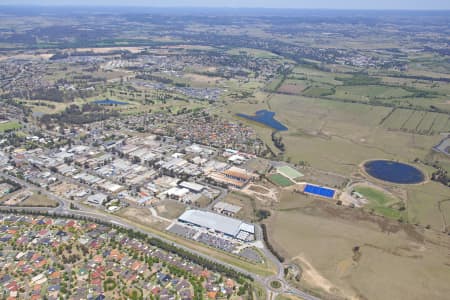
[{"x": 220, "y": 223}]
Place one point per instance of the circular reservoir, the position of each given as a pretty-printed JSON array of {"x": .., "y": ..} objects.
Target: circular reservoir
[{"x": 394, "y": 172}]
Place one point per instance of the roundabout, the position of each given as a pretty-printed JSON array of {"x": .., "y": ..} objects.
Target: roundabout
[{"x": 276, "y": 284}]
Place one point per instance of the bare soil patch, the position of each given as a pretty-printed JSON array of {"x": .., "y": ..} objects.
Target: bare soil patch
[
  {"x": 389, "y": 255},
  {"x": 292, "y": 89},
  {"x": 141, "y": 216}
]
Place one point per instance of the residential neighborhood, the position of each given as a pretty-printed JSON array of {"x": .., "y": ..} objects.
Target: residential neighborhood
[{"x": 54, "y": 258}]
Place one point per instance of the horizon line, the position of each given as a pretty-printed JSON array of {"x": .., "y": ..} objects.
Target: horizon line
[{"x": 55, "y": 5}]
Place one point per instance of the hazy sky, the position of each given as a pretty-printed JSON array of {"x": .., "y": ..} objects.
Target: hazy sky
[{"x": 332, "y": 4}]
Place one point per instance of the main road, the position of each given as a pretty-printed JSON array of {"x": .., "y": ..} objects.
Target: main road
[{"x": 64, "y": 209}]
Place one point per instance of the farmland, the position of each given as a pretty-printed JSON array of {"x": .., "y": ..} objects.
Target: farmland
[
  {"x": 337, "y": 136},
  {"x": 427, "y": 123},
  {"x": 345, "y": 89}
]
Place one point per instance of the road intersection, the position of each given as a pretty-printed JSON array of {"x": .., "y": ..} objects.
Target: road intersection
[{"x": 64, "y": 209}]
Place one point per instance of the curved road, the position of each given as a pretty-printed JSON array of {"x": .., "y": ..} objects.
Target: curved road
[{"x": 64, "y": 209}]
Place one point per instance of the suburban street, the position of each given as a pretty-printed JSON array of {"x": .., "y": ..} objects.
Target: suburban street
[{"x": 64, "y": 209}]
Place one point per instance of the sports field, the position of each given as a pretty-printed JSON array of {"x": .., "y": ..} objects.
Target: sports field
[
  {"x": 319, "y": 191},
  {"x": 280, "y": 180},
  {"x": 289, "y": 172}
]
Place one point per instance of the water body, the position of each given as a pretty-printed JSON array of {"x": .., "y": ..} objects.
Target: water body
[
  {"x": 394, "y": 172},
  {"x": 265, "y": 117},
  {"x": 109, "y": 102}
]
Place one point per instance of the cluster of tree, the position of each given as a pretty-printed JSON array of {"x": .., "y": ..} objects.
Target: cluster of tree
[
  {"x": 439, "y": 51},
  {"x": 422, "y": 77},
  {"x": 269, "y": 245},
  {"x": 359, "y": 79},
  {"x": 150, "y": 77},
  {"x": 284, "y": 49},
  {"x": 195, "y": 282},
  {"x": 80, "y": 78},
  {"x": 418, "y": 93},
  {"x": 55, "y": 94},
  {"x": 73, "y": 114},
  {"x": 58, "y": 36},
  {"x": 246, "y": 288},
  {"x": 109, "y": 284},
  {"x": 199, "y": 260},
  {"x": 441, "y": 176},
  {"x": 15, "y": 185},
  {"x": 278, "y": 141},
  {"x": 71, "y": 259},
  {"x": 63, "y": 55},
  {"x": 51, "y": 94},
  {"x": 262, "y": 214}
]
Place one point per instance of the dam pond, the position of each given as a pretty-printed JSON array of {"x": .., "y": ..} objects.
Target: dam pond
[
  {"x": 109, "y": 102},
  {"x": 266, "y": 118},
  {"x": 394, "y": 172}
]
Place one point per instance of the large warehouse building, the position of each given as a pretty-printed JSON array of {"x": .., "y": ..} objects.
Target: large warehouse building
[{"x": 229, "y": 226}]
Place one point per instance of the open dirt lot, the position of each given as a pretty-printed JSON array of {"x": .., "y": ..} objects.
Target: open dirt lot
[
  {"x": 142, "y": 216},
  {"x": 292, "y": 89},
  {"x": 39, "y": 200},
  {"x": 170, "y": 209},
  {"x": 395, "y": 261}
]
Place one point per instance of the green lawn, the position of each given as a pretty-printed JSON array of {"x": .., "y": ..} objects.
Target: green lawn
[
  {"x": 318, "y": 91},
  {"x": 388, "y": 212},
  {"x": 280, "y": 180},
  {"x": 289, "y": 172},
  {"x": 380, "y": 202},
  {"x": 12, "y": 125},
  {"x": 374, "y": 196},
  {"x": 371, "y": 91}
]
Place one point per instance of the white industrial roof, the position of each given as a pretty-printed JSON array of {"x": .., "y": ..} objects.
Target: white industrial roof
[
  {"x": 98, "y": 198},
  {"x": 177, "y": 192},
  {"x": 192, "y": 186},
  {"x": 227, "y": 206},
  {"x": 247, "y": 228},
  {"x": 236, "y": 157},
  {"x": 220, "y": 223}
]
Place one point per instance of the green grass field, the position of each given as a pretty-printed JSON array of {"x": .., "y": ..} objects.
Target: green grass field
[
  {"x": 421, "y": 122},
  {"x": 337, "y": 136},
  {"x": 375, "y": 196},
  {"x": 397, "y": 119},
  {"x": 280, "y": 180},
  {"x": 12, "y": 125},
  {"x": 426, "y": 125},
  {"x": 275, "y": 83},
  {"x": 252, "y": 52},
  {"x": 380, "y": 202},
  {"x": 363, "y": 92},
  {"x": 414, "y": 121},
  {"x": 290, "y": 172},
  {"x": 318, "y": 91}
]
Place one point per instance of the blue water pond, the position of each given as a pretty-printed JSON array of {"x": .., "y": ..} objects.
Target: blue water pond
[
  {"x": 109, "y": 102},
  {"x": 265, "y": 117},
  {"x": 394, "y": 172}
]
